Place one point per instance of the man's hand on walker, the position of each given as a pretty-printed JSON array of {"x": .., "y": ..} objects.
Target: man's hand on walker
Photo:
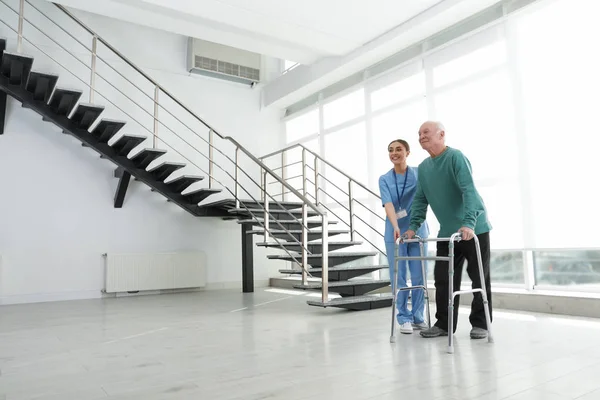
[
  {"x": 410, "y": 234},
  {"x": 467, "y": 233}
]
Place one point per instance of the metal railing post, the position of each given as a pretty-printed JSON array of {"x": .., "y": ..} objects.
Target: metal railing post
[
  {"x": 156, "y": 91},
  {"x": 316, "y": 181},
  {"x": 325, "y": 262},
  {"x": 93, "y": 69},
  {"x": 237, "y": 199},
  {"x": 351, "y": 210},
  {"x": 304, "y": 222},
  {"x": 304, "y": 244},
  {"x": 283, "y": 175},
  {"x": 210, "y": 158},
  {"x": 263, "y": 184},
  {"x": 266, "y": 218},
  {"x": 20, "y": 28}
]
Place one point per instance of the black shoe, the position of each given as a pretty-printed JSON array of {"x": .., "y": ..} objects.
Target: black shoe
[
  {"x": 479, "y": 333},
  {"x": 434, "y": 331}
]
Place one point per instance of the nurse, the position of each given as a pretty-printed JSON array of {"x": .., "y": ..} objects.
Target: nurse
[{"x": 397, "y": 188}]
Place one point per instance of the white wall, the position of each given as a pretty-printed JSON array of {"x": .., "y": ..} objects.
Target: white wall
[{"x": 56, "y": 211}]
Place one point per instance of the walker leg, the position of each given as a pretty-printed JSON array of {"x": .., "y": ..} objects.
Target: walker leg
[
  {"x": 393, "y": 333},
  {"x": 394, "y": 297},
  {"x": 486, "y": 304},
  {"x": 426, "y": 294},
  {"x": 450, "y": 325},
  {"x": 451, "y": 297}
]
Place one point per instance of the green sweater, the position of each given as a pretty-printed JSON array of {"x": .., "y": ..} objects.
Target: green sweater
[{"x": 446, "y": 184}]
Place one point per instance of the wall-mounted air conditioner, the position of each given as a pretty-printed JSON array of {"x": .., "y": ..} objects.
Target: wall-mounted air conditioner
[{"x": 223, "y": 62}]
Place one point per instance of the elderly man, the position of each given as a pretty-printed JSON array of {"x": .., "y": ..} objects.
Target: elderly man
[{"x": 446, "y": 184}]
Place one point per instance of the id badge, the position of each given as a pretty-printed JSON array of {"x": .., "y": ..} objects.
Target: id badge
[{"x": 401, "y": 214}]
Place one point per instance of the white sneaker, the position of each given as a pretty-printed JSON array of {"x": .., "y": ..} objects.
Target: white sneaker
[
  {"x": 406, "y": 328},
  {"x": 421, "y": 327}
]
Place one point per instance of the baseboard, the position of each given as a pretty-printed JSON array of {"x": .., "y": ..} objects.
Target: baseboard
[
  {"x": 547, "y": 303},
  {"x": 560, "y": 303},
  {"x": 48, "y": 297},
  {"x": 152, "y": 292},
  {"x": 98, "y": 294}
]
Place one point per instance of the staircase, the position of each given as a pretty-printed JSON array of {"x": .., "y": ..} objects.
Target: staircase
[
  {"x": 350, "y": 273},
  {"x": 299, "y": 230}
]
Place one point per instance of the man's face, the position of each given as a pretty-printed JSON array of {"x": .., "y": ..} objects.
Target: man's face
[{"x": 430, "y": 135}]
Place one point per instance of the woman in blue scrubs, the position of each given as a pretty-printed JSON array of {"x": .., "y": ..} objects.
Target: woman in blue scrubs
[{"x": 397, "y": 188}]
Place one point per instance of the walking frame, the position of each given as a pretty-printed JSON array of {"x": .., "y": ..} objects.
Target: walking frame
[{"x": 456, "y": 237}]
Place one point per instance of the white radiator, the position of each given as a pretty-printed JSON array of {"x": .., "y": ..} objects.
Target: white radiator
[{"x": 137, "y": 272}]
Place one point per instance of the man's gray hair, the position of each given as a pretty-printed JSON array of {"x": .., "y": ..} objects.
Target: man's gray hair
[{"x": 439, "y": 126}]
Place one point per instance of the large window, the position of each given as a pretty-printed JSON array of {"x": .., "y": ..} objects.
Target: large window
[
  {"x": 348, "y": 107},
  {"x": 477, "y": 114},
  {"x": 343, "y": 149},
  {"x": 518, "y": 99},
  {"x": 403, "y": 89},
  {"x": 559, "y": 64},
  {"x": 399, "y": 123},
  {"x": 302, "y": 126}
]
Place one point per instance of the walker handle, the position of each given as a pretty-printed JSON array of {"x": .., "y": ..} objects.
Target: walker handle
[{"x": 404, "y": 237}]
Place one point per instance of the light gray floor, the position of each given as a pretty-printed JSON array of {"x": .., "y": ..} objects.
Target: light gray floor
[{"x": 271, "y": 345}]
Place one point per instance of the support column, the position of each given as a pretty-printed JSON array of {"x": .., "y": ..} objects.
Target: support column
[
  {"x": 124, "y": 178},
  {"x": 3, "y": 105},
  {"x": 3, "y": 98},
  {"x": 247, "y": 259}
]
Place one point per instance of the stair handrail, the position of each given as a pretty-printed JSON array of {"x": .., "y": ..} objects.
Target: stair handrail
[
  {"x": 349, "y": 193},
  {"x": 304, "y": 148},
  {"x": 265, "y": 170}
]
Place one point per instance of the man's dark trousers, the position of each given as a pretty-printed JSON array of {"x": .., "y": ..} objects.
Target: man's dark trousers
[{"x": 463, "y": 250}]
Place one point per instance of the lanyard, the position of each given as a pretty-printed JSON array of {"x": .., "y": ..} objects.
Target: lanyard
[{"x": 403, "y": 187}]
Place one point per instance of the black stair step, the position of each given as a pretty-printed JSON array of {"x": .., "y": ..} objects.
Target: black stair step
[
  {"x": 198, "y": 195},
  {"x": 275, "y": 213},
  {"x": 289, "y": 205},
  {"x": 146, "y": 156},
  {"x": 339, "y": 273},
  {"x": 163, "y": 170},
  {"x": 316, "y": 260},
  {"x": 41, "y": 85},
  {"x": 228, "y": 204},
  {"x": 315, "y": 247},
  {"x": 106, "y": 129},
  {"x": 357, "y": 287},
  {"x": 357, "y": 303},
  {"x": 297, "y": 234},
  {"x": 126, "y": 143},
  {"x": 182, "y": 182},
  {"x": 64, "y": 100},
  {"x": 283, "y": 224},
  {"x": 16, "y": 67},
  {"x": 86, "y": 114}
]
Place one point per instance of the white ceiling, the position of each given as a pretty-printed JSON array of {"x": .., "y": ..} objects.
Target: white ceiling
[
  {"x": 332, "y": 38},
  {"x": 302, "y": 31},
  {"x": 330, "y": 27}
]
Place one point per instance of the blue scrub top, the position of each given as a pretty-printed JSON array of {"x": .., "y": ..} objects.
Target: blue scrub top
[{"x": 390, "y": 190}]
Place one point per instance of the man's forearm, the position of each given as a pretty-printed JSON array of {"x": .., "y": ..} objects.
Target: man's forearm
[{"x": 418, "y": 213}]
